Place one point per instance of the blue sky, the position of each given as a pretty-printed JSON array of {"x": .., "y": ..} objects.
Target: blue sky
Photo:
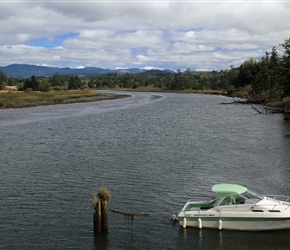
[
  {"x": 200, "y": 35},
  {"x": 47, "y": 42}
]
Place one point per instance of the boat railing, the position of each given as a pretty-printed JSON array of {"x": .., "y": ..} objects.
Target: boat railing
[
  {"x": 198, "y": 201},
  {"x": 283, "y": 198},
  {"x": 274, "y": 206},
  {"x": 254, "y": 206}
]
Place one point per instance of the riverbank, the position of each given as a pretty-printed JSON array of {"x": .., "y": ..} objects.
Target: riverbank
[
  {"x": 185, "y": 91},
  {"x": 20, "y": 99}
]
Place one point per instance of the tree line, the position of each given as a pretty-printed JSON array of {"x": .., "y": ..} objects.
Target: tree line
[
  {"x": 43, "y": 84},
  {"x": 265, "y": 79}
]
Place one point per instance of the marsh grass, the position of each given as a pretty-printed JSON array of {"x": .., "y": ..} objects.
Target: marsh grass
[
  {"x": 19, "y": 99},
  {"x": 104, "y": 194},
  {"x": 95, "y": 202}
]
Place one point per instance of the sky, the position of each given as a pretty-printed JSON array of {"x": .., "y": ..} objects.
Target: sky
[{"x": 199, "y": 35}]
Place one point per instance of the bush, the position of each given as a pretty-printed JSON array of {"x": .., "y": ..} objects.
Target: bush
[
  {"x": 44, "y": 86},
  {"x": 28, "y": 90}
]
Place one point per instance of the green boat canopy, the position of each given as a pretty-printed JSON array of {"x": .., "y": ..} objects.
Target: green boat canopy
[{"x": 224, "y": 189}]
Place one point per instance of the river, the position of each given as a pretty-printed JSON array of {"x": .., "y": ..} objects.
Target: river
[{"x": 153, "y": 151}]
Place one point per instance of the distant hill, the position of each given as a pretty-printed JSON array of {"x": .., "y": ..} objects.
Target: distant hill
[
  {"x": 156, "y": 72},
  {"x": 25, "y": 71}
]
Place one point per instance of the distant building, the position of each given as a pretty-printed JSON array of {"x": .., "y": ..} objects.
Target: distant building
[{"x": 11, "y": 88}]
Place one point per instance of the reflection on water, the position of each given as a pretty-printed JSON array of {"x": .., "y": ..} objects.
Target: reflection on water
[
  {"x": 214, "y": 239},
  {"x": 101, "y": 241}
]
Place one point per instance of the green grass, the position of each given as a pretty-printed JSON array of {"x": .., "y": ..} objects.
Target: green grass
[{"x": 19, "y": 99}]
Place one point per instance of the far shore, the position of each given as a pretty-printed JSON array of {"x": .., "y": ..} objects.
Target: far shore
[
  {"x": 14, "y": 99},
  {"x": 20, "y": 99}
]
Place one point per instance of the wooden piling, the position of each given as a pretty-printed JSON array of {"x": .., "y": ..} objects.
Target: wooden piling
[
  {"x": 101, "y": 218},
  {"x": 97, "y": 218},
  {"x": 104, "y": 215}
]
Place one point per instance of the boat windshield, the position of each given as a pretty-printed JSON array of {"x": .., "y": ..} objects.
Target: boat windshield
[
  {"x": 235, "y": 199},
  {"x": 250, "y": 194},
  {"x": 232, "y": 199}
]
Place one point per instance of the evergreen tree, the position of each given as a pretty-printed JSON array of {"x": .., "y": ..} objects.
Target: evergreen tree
[
  {"x": 286, "y": 66},
  {"x": 74, "y": 82},
  {"x": 31, "y": 83},
  {"x": 57, "y": 80},
  {"x": 34, "y": 83},
  {"x": 247, "y": 73},
  {"x": 91, "y": 84},
  {"x": 11, "y": 81},
  {"x": 177, "y": 81},
  {"x": 3, "y": 80}
]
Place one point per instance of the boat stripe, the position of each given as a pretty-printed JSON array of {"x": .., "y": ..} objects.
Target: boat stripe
[{"x": 232, "y": 219}]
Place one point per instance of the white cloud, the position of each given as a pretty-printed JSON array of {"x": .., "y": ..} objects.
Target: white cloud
[
  {"x": 151, "y": 67},
  {"x": 164, "y": 34}
]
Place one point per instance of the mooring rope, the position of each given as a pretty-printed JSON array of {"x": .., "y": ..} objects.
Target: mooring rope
[
  {"x": 140, "y": 214},
  {"x": 129, "y": 214}
]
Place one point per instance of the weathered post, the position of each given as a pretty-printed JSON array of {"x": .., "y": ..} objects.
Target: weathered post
[
  {"x": 97, "y": 215},
  {"x": 104, "y": 215},
  {"x": 101, "y": 210}
]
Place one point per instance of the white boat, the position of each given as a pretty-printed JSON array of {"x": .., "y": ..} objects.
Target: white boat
[{"x": 237, "y": 208}]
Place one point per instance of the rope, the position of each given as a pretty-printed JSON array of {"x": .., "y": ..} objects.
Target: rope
[
  {"x": 138, "y": 213},
  {"x": 130, "y": 214},
  {"x": 141, "y": 214}
]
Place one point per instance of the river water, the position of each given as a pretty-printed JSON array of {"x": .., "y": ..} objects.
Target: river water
[{"x": 153, "y": 151}]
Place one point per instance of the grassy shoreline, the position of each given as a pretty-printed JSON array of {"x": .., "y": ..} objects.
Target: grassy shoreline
[{"x": 20, "y": 99}]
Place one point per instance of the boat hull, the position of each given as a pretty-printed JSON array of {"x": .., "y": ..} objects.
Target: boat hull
[{"x": 249, "y": 223}]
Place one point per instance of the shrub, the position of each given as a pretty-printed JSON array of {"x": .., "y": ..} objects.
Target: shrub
[{"x": 28, "y": 90}]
